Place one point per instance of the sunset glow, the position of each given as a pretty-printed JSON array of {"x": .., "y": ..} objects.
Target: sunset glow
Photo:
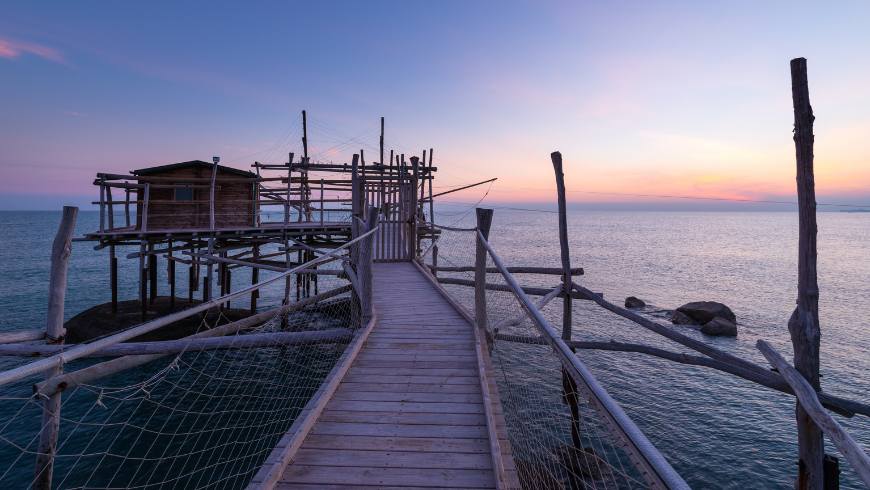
[{"x": 678, "y": 99}]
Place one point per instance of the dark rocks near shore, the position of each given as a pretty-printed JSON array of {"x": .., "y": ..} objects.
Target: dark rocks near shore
[
  {"x": 681, "y": 318},
  {"x": 632, "y": 302},
  {"x": 99, "y": 320},
  {"x": 719, "y": 326},
  {"x": 704, "y": 311}
]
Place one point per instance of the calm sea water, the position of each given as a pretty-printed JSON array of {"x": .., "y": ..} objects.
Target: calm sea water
[{"x": 719, "y": 432}]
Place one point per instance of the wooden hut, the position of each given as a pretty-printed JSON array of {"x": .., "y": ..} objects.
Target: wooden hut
[{"x": 185, "y": 204}]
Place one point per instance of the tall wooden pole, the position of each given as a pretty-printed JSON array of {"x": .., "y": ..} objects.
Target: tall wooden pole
[
  {"x": 113, "y": 278},
  {"x": 413, "y": 239},
  {"x": 484, "y": 221},
  {"x": 304, "y": 139},
  {"x": 556, "y": 157},
  {"x": 804, "y": 323},
  {"x": 382, "y": 141},
  {"x": 364, "y": 268},
  {"x": 60, "y": 252},
  {"x": 569, "y": 387}
]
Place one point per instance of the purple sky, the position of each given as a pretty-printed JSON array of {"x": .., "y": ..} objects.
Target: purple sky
[{"x": 688, "y": 99}]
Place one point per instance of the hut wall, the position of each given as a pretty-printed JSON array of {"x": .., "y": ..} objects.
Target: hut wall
[{"x": 234, "y": 202}]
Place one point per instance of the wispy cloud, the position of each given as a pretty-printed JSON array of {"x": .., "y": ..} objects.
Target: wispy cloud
[{"x": 12, "y": 49}]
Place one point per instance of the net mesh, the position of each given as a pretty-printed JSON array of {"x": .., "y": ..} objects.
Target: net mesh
[
  {"x": 198, "y": 419},
  {"x": 558, "y": 437}
]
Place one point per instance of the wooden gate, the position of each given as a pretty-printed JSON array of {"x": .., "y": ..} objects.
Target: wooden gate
[{"x": 394, "y": 199}]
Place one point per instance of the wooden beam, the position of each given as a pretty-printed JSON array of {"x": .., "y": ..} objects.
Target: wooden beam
[
  {"x": 60, "y": 253},
  {"x": 808, "y": 400},
  {"x": 166, "y": 347},
  {"x": 24, "y": 336},
  {"x": 577, "y": 271}
]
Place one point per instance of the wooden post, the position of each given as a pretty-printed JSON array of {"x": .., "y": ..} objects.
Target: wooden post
[
  {"x": 192, "y": 281},
  {"x": 60, "y": 252},
  {"x": 171, "y": 273},
  {"x": 109, "y": 205},
  {"x": 321, "y": 203},
  {"x": 556, "y": 157},
  {"x": 211, "y": 194},
  {"x": 127, "y": 204},
  {"x": 569, "y": 387},
  {"x": 484, "y": 220},
  {"x": 255, "y": 278},
  {"x": 113, "y": 278},
  {"x": 431, "y": 201},
  {"x": 354, "y": 192},
  {"x": 304, "y": 137},
  {"x": 804, "y": 323},
  {"x": 143, "y": 276},
  {"x": 364, "y": 268},
  {"x": 413, "y": 240},
  {"x": 228, "y": 278},
  {"x": 145, "y": 207},
  {"x": 102, "y": 203},
  {"x": 152, "y": 275},
  {"x": 382, "y": 141}
]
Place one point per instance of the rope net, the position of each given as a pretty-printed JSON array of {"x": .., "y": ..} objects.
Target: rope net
[
  {"x": 191, "y": 420},
  {"x": 559, "y": 439}
]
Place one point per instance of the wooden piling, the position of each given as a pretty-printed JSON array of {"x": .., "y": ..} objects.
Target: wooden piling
[
  {"x": 484, "y": 221},
  {"x": 152, "y": 276},
  {"x": 113, "y": 278},
  {"x": 569, "y": 387},
  {"x": 413, "y": 239},
  {"x": 255, "y": 277},
  {"x": 364, "y": 268},
  {"x": 804, "y": 323},
  {"x": 60, "y": 253}
]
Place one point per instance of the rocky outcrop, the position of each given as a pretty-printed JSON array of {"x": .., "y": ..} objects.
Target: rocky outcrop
[
  {"x": 681, "y": 318},
  {"x": 705, "y": 311},
  {"x": 632, "y": 302},
  {"x": 719, "y": 326}
]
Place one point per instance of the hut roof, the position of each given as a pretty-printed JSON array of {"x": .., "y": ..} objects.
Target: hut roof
[{"x": 191, "y": 163}]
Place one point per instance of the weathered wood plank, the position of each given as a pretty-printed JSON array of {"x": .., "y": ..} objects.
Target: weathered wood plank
[
  {"x": 417, "y": 379},
  {"x": 410, "y": 418},
  {"x": 399, "y": 407},
  {"x": 393, "y": 459},
  {"x": 409, "y": 388},
  {"x": 439, "y": 398},
  {"x": 403, "y": 443},
  {"x": 438, "y": 478},
  {"x": 404, "y": 371},
  {"x": 396, "y": 430}
]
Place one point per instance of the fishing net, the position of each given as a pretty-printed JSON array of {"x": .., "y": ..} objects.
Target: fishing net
[
  {"x": 195, "y": 419},
  {"x": 559, "y": 436}
]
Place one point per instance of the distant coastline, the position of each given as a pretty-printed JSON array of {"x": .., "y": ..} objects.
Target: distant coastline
[{"x": 855, "y": 210}]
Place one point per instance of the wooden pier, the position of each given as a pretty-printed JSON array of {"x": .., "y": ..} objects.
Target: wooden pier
[{"x": 414, "y": 405}]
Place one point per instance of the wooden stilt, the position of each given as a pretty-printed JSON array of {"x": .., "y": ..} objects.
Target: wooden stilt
[
  {"x": 255, "y": 277},
  {"x": 60, "y": 253},
  {"x": 569, "y": 387},
  {"x": 484, "y": 221},
  {"x": 804, "y": 323},
  {"x": 152, "y": 275},
  {"x": 113, "y": 278}
]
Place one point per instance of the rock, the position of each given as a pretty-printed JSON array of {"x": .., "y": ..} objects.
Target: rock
[
  {"x": 584, "y": 463},
  {"x": 704, "y": 311},
  {"x": 632, "y": 302},
  {"x": 719, "y": 326},
  {"x": 535, "y": 476},
  {"x": 681, "y": 318}
]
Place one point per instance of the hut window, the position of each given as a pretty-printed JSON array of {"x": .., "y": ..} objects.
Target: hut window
[{"x": 184, "y": 194}]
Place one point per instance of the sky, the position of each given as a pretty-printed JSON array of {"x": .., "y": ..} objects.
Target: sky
[{"x": 689, "y": 99}]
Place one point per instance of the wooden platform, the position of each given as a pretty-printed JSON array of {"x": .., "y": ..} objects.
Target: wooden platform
[{"x": 409, "y": 410}]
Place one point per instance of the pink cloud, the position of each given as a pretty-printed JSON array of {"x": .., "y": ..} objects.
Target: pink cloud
[{"x": 11, "y": 49}]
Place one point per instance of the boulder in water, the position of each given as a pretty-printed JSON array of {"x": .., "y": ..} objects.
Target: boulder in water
[
  {"x": 632, "y": 302},
  {"x": 704, "y": 311},
  {"x": 681, "y": 318},
  {"x": 719, "y": 326},
  {"x": 584, "y": 463}
]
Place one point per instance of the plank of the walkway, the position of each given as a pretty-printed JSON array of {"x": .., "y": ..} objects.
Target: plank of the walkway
[
  {"x": 410, "y": 418},
  {"x": 397, "y": 443},
  {"x": 404, "y": 371},
  {"x": 475, "y": 398},
  {"x": 393, "y": 459},
  {"x": 411, "y": 388},
  {"x": 367, "y": 476},
  {"x": 395, "y": 430},
  {"x": 398, "y": 407},
  {"x": 417, "y": 379}
]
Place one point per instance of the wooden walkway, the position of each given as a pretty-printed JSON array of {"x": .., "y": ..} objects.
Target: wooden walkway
[{"x": 408, "y": 411}]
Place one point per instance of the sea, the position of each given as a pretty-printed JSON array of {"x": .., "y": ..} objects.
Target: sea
[{"x": 716, "y": 430}]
